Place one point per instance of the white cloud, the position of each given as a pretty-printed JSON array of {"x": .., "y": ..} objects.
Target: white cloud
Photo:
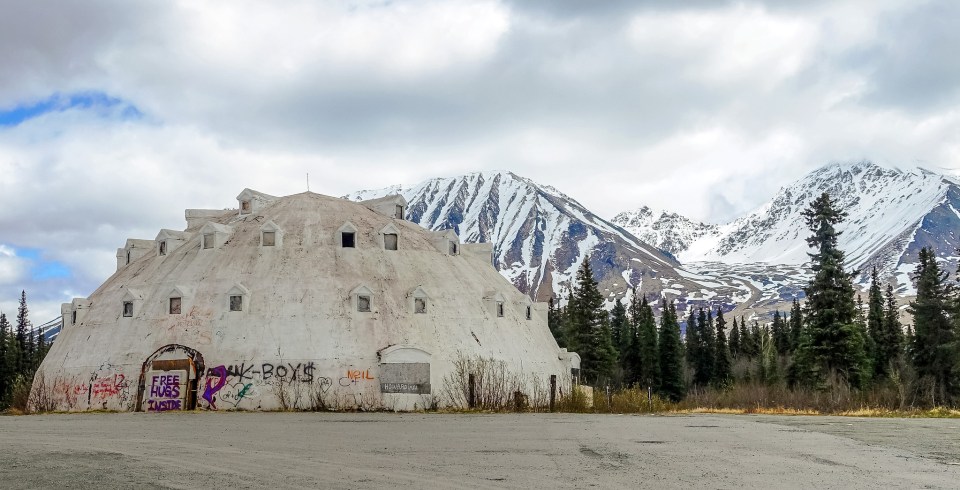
[{"x": 12, "y": 268}]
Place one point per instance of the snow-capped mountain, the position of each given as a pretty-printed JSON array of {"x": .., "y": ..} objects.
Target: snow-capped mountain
[
  {"x": 667, "y": 231},
  {"x": 891, "y": 214},
  {"x": 539, "y": 234}
]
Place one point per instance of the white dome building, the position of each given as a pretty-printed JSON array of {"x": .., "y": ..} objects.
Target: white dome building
[{"x": 294, "y": 301}]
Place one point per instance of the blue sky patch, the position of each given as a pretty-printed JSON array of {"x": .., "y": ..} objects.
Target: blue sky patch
[
  {"x": 106, "y": 105},
  {"x": 41, "y": 268}
]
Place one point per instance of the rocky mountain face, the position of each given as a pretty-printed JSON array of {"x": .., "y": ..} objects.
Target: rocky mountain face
[
  {"x": 892, "y": 213},
  {"x": 752, "y": 265},
  {"x": 670, "y": 232},
  {"x": 539, "y": 235}
]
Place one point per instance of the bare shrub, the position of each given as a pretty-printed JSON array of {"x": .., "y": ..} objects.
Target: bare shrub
[
  {"x": 40, "y": 397},
  {"x": 576, "y": 400},
  {"x": 494, "y": 385}
]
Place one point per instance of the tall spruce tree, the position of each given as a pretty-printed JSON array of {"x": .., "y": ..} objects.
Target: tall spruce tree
[
  {"x": 555, "y": 322},
  {"x": 620, "y": 331},
  {"x": 671, "y": 355},
  {"x": 648, "y": 370},
  {"x": 691, "y": 339},
  {"x": 22, "y": 354},
  {"x": 6, "y": 360},
  {"x": 875, "y": 323},
  {"x": 796, "y": 324},
  {"x": 890, "y": 343},
  {"x": 833, "y": 342},
  {"x": 705, "y": 361},
  {"x": 723, "y": 370},
  {"x": 780, "y": 333},
  {"x": 734, "y": 339},
  {"x": 935, "y": 349},
  {"x": 589, "y": 330}
]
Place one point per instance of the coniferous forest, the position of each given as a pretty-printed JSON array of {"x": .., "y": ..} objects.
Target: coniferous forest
[
  {"x": 834, "y": 351},
  {"x": 22, "y": 348}
]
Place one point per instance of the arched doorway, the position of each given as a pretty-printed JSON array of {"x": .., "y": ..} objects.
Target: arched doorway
[{"x": 168, "y": 379}]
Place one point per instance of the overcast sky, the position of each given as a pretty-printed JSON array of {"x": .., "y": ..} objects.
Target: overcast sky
[{"x": 117, "y": 115}]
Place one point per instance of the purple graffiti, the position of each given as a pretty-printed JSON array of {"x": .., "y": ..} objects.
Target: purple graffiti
[{"x": 208, "y": 393}]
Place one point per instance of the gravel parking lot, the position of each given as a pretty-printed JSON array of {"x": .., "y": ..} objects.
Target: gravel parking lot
[{"x": 347, "y": 450}]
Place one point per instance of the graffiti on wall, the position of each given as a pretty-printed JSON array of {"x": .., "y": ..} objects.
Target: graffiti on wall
[
  {"x": 166, "y": 391},
  {"x": 355, "y": 376}
]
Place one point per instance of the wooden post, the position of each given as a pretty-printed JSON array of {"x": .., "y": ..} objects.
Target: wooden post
[
  {"x": 472, "y": 400},
  {"x": 553, "y": 391}
]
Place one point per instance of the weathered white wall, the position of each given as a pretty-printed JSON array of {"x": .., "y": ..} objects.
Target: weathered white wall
[{"x": 299, "y": 325}]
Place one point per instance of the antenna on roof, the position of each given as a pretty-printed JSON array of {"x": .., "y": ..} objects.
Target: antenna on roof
[{"x": 308, "y": 181}]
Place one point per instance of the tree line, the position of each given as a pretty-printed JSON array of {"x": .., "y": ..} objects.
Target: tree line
[
  {"x": 21, "y": 350},
  {"x": 832, "y": 339}
]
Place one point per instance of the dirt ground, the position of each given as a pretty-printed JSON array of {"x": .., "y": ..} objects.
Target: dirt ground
[{"x": 324, "y": 450}]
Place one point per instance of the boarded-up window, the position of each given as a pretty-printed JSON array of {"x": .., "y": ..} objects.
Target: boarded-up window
[
  {"x": 399, "y": 212},
  {"x": 390, "y": 241},
  {"x": 208, "y": 240},
  {"x": 453, "y": 248},
  {"x": 236, "y": 302},
  {"x": 245, "y": 206},
  {"x": 419, "y": 305},
  {"x": 529, "y": 313},
  {"x": 499, "y": 308},
  {"x": 128, "y": 308},
  {"x": 163, "y": 247},
  {"x": 363, "y": 303},
  {"x": 269, "y": 238},
  {"x": 348, "y": 239},
  {"x": 175, "y": 306},
  {"x": 407, "y": 377}
]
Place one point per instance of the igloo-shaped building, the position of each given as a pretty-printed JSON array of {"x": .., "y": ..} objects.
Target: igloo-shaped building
[{"x": 295, "y": 301}]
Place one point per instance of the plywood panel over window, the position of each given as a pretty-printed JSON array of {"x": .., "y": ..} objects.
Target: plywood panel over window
[
  {"x": 175, "y": 306},
  {"x": 405, "y": 377}
]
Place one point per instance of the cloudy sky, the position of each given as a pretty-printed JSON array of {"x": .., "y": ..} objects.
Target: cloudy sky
[{"x": 117, "y": 115}]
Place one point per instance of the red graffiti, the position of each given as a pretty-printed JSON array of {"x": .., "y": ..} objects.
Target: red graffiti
[{"x": 107, "y": 387}]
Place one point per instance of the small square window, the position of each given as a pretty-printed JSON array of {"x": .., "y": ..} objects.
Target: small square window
[
  {"x": 269, "y": 238},
  {"x": 348, "y": 239},
  {"x": 208, "y": 240},
  {"x": 245, "y": 206},
  {"x": 529, "y": 313},
  {"x": 236, "y": 303},
  {"x": 499, "y": 308},
  {"x": 453, "y": 248},
  {"x": 73, "y": 318},
  {"x": 363, "y": 303},
  {"x": 163, "y": 247},
  {"x": 419, "y": 305},
  {"x": 390, "y": 241},
  {"x": 128, "y": 308},
  {"x": 175, "y": 306},
  {"x": 399, "y": 212}
]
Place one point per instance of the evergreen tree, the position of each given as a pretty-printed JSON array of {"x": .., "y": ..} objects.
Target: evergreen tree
[
  {"x": 833, "y": 342},
  {"x": 589, "y": 331},
  {"x": 935, "y": 347},
  {"x": 780, "y": 334},
  {"x": 746, "y": 342},
  {"x": 555, "y": 322},
  {"x": 648, "y": 370},
  {"x": 22, "y": 354},
  {"x": 890, "y": 342},
  {"x": 796, "y": 324},
  {"x": 756, "y": 340},
  {"x": 734, "y": 339},
  {"x": 723, "y": 371},
  {"x": 875, "y": 323},
  {"x": 6, "y": 360},
  {"x": 705, "y": 361},
  {"x": 620, "y": 330},
  {"x": 671, "y": 355},
  {"x": 691, "y": 339},
  {"x": 631, "y": 360}
]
